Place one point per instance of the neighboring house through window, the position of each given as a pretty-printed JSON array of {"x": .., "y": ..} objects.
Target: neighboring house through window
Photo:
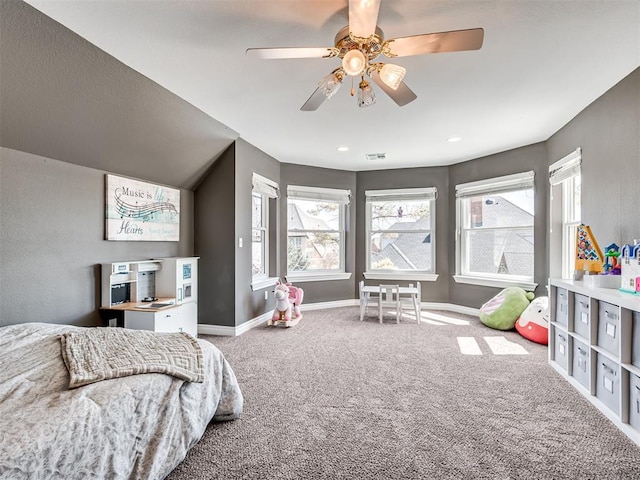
[
  {"x": 316, "y": 219},
  {"x": 262, "y": 191},
  {"x": 495, "y": 231},
  {"x": 565, "y": 180},
  {"x": 400, "y": 234}
]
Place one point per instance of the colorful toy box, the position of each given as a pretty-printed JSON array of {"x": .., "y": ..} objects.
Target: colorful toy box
[{"x": 630, "y": 268}]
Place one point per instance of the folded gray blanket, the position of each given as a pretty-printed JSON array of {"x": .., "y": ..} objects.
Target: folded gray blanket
[{"x": 95, "y": 354}]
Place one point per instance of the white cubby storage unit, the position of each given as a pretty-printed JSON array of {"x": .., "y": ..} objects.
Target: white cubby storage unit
[{"x": 594, "y": 343}]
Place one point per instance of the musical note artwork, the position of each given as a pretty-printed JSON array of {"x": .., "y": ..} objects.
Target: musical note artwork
[{"x": 137, "y": 210}]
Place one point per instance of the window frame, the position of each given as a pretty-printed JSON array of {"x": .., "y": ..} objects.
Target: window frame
[
  {"x": 267, "y": 189},
  {"x": 320, "y": 195},
  {"x": 264, "y": 230},
  {"x": 563, "y": 175},
  {"x": 464, "y": 193},
  {"x": 428, "y": 194}
]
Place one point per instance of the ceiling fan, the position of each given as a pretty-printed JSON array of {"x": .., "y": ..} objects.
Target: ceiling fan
[{"x": 359, "y": 43}]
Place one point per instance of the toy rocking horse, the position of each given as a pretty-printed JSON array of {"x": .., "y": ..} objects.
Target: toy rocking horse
[{"x": 288, "y": 300}]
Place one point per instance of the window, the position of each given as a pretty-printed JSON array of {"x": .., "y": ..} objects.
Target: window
[
  {"x": 400, "y": 234},
  {"x": 263, "y": 190},
  {"x": 495, "y": 239},
  {"x": 316, "y": 219},
  {"x": 565, "y": 180},
  {"x": 259, "y": 237}
]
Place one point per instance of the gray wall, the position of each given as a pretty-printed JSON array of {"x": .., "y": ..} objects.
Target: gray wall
[
  {"x": 250, "y": 304},
  {"x": 52, "y": 240},
  {"x": 532, "y": 157},
  {"x": 86, "y": 108},
  {"x": 608, "y": 131},
  {"x": 62, "y": 97},
  {"x": 438, "y": 177},
  {"x": 291, "y": 174},
  {"x": 214, "y": 213}
]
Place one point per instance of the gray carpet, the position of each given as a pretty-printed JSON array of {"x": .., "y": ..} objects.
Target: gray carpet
[{"x": 334, "y": 398}]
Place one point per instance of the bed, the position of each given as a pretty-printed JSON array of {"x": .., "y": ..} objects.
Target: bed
[{"x": 137, "y": 426}]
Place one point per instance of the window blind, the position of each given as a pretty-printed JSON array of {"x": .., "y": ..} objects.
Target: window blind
[
  {"x": 298, "y": 192},
  {"x": 517, "y": 181},
  {"x": 265, "y": 186},
  {"x": 566, "y": 167},
  {"x": 428, "y": 193}
]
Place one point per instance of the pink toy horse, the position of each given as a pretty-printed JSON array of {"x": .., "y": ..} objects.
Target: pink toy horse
[{"x": 288, "y": 300}]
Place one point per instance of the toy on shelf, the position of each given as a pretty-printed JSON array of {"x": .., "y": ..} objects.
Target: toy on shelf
[
  {"x": 630, "y": 268},
  {"x": 288, "y": 300},
  {"x": 610, "y": 265},
  {"x": 589, "y": 257}
]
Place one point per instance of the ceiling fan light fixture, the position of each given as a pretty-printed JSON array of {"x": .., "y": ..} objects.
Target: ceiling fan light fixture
[
  {"x": 354, "y": 62},
  {"x": 330, "y": 84},
  {"x": 392, "y": 75},
  {"x": 366, "y": 96}
]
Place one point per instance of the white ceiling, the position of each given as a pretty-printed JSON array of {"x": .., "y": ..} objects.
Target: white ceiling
[{"x": 542, "y": 62}]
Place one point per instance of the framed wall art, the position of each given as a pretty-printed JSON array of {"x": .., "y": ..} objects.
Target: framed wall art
[{"x": 137, "y": 210}]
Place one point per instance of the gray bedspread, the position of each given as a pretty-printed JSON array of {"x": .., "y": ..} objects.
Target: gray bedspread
[{"x": 140, "y": 426}]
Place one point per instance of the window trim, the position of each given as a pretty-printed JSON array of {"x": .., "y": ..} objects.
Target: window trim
[
  {"x": 429, "y": 194},
  {"x": 264, "y": 229},
  {"x": 266, "y": 189},
  {"x": 327, "y": 195},
  {"x": 495, "y": 185},
  {"x": 563, "y": 174}
]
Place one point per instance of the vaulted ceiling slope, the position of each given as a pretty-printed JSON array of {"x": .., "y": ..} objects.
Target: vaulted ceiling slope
[
  {"x": 541, "y": 63},
  {"x": 62, "y": 97}
]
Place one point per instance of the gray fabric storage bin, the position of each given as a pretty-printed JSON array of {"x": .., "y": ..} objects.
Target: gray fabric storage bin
[
  {"x": 634, "y": 401},
  {"x": 581, "y": 363},
  {"x": 562, "y": 306},
  {"x": 608, "y": 383},
  {"x": 561, "y": 349},
  {"x": 635, "y": 342},
  {"x": 609, "y": 327},
  {"x": 581, "y": 318}
]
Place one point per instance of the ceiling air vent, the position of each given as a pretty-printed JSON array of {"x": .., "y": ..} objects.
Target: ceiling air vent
[{"x": 376, "y": 156}]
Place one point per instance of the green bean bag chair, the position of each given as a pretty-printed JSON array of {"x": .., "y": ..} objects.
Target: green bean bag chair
[{"x": 503, "y": 310}]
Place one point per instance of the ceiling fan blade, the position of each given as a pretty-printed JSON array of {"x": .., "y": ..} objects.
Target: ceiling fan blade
[
  {"x": 453, "y": 41},
  {"x": 401, "y": 96},
  {"x": 315, "y": 100},
  {"x": 291, "y": 52},
  {"x": 363, "y": 17}
]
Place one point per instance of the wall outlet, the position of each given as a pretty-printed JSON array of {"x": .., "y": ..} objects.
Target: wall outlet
[
  {"x": 240, "y": 242},
  {"x": 266, "y": 295}
]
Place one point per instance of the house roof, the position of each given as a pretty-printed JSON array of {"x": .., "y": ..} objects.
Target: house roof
[{"x": 512, "y": 254}]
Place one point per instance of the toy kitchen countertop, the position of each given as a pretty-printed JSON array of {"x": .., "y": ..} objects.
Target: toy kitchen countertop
[{"x": 158, "y": 304}]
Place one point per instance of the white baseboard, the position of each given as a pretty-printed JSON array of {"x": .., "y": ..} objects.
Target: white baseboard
[
  {"x": 450, "y": 307},
  {"x": 350, "y": 302},
  {"x": 205, "y": 329}
]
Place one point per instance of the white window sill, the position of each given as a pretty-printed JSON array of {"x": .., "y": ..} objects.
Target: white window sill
[
  {"x": 417, "y": 276},
  {"x": 317, "y": 277},
  {"x": 493, "y": 282},
  {"x": 263, "y": 282}
]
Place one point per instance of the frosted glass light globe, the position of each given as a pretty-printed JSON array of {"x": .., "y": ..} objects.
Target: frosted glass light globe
[{"x": 354, "y": 62}]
